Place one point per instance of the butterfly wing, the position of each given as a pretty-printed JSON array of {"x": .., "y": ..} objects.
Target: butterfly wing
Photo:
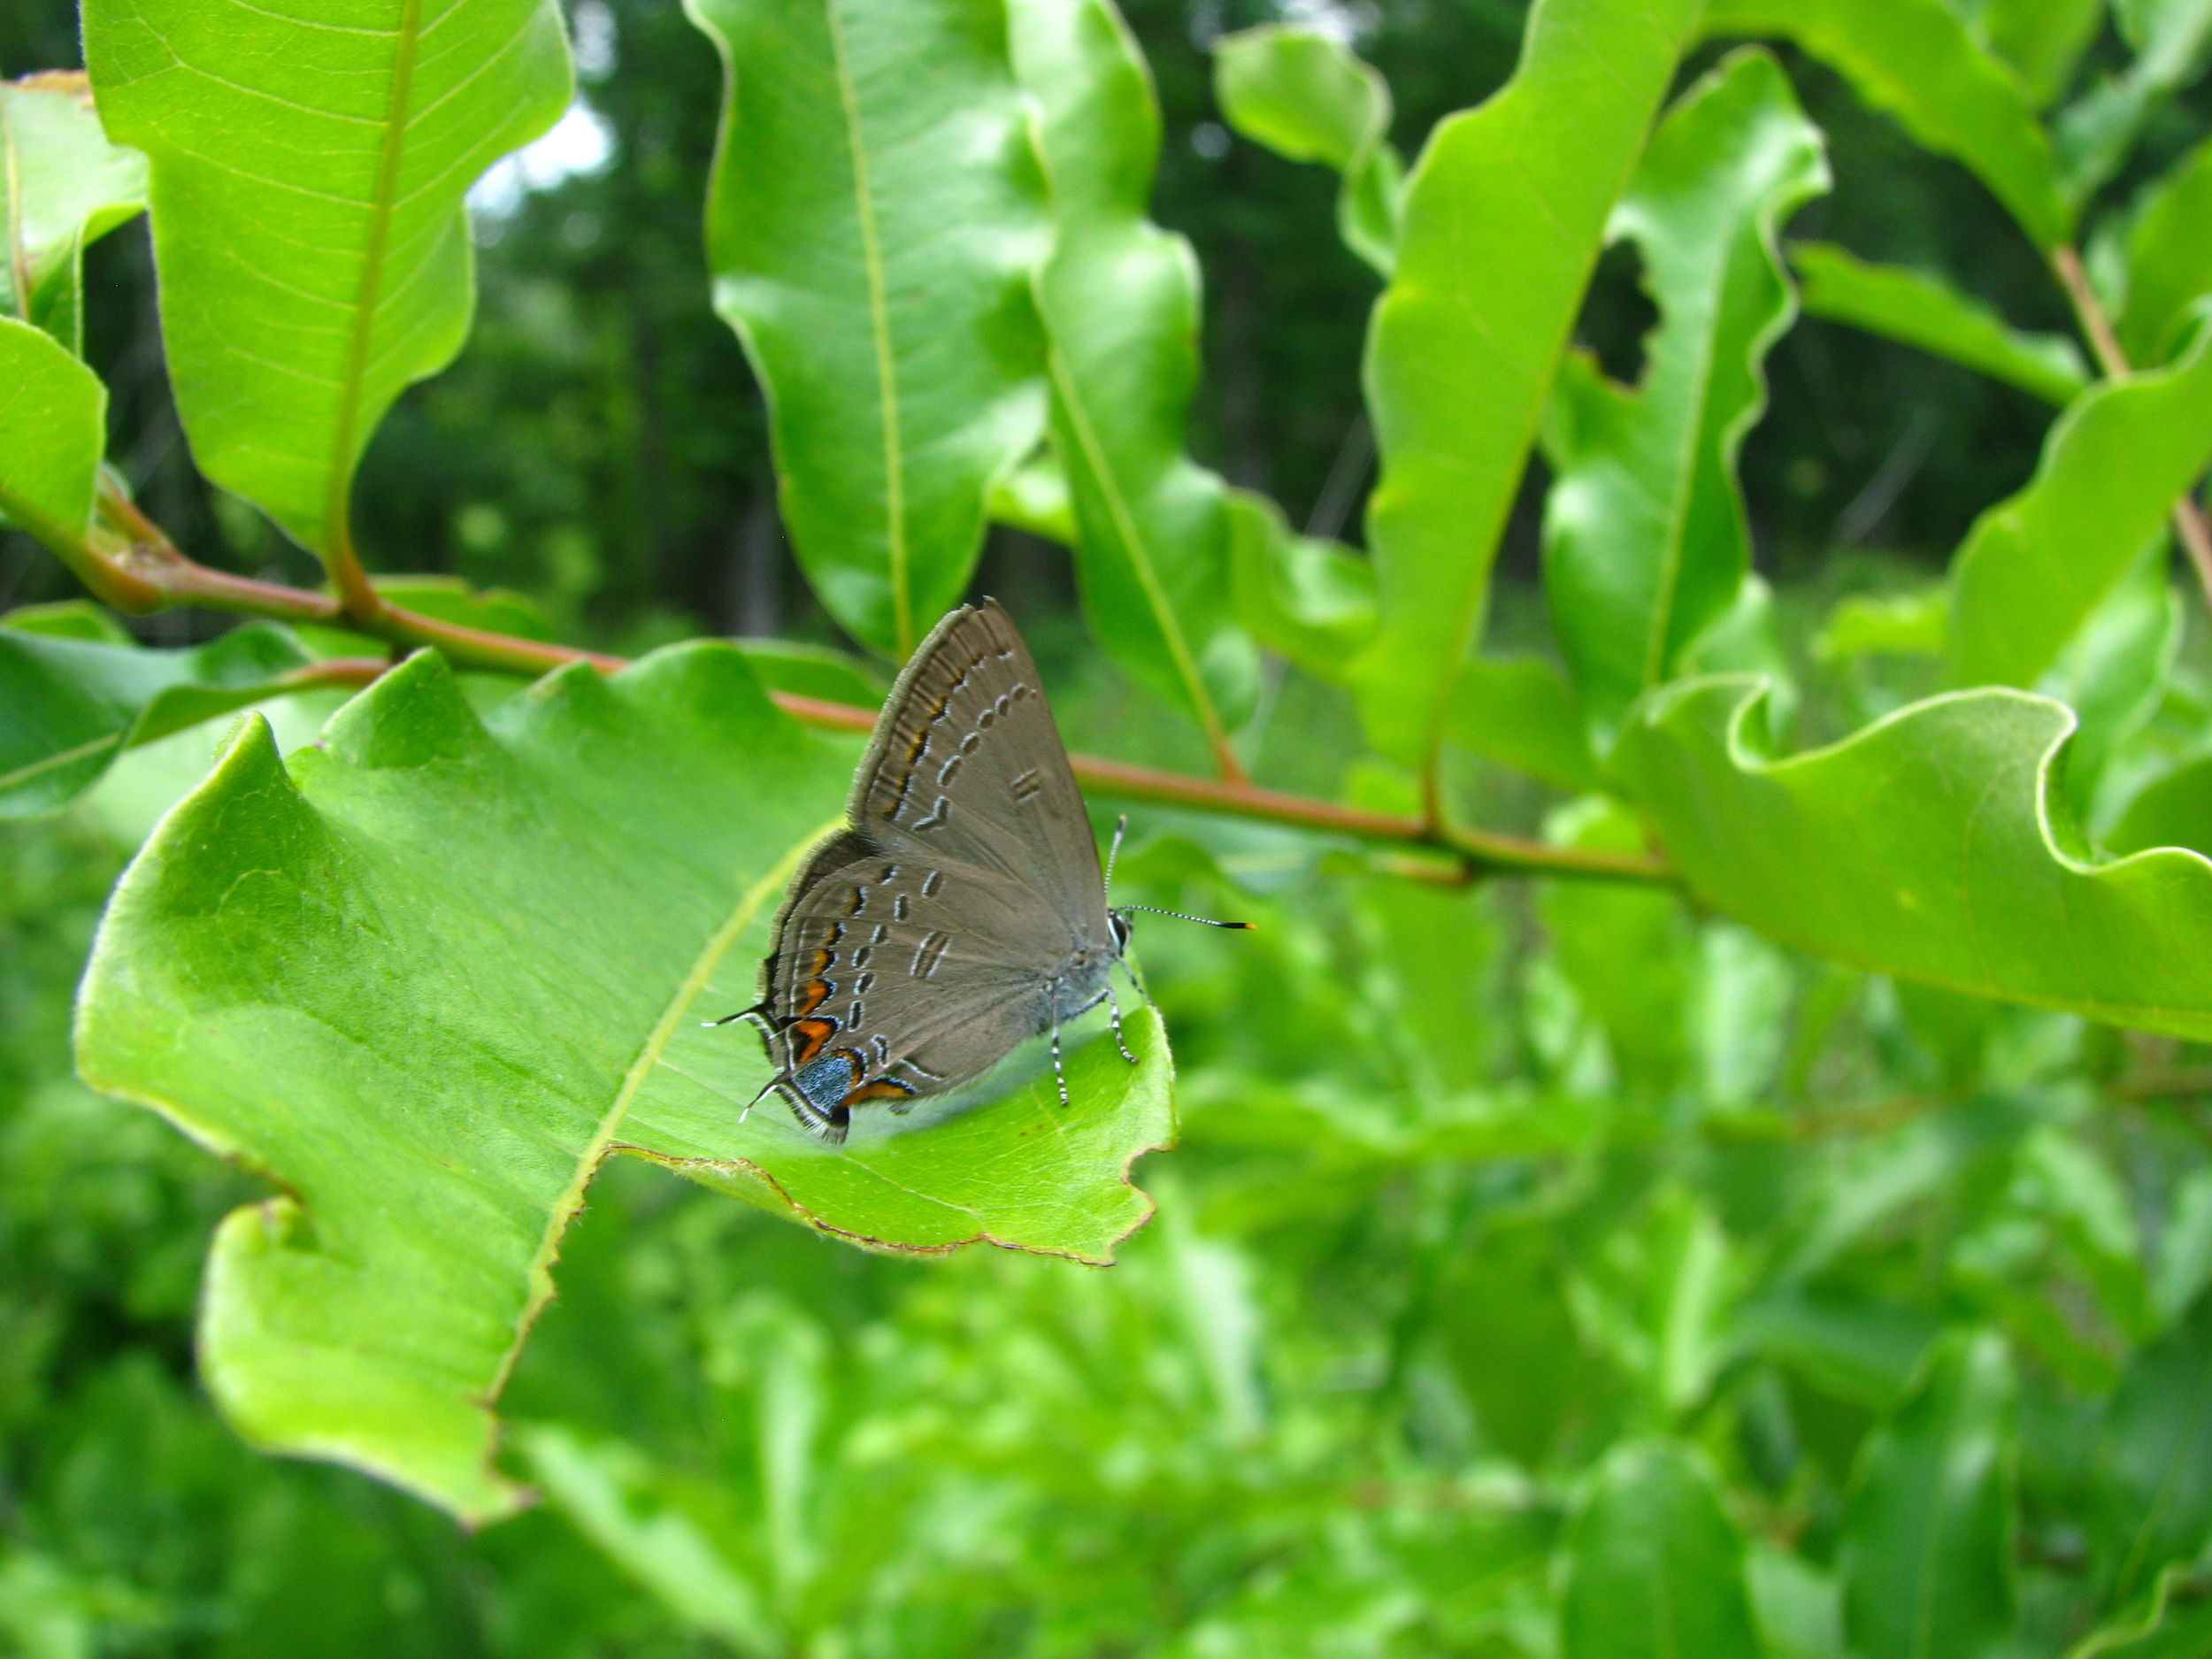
[
  {"x": 967, "y": 764},
  {"x": 902, "y": 975}
]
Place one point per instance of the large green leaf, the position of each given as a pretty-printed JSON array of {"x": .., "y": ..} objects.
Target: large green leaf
[
  {"x": 904, "y": 363},
  {"x": 433, "y": 973},
  {"x": 1504, "y": 217},
  {"x": 1305, "y": 97},
  {"x": 62, "y": 187},
  {"x": 53, "y": 430},
  {"x": 1645, "y": 537},
  {"x": 1120, "y": 299},
  {"x": 1925, "y": 312},
  {"x": 1943, "y": 848},
  {"x": 307, "y": 177},
  {"x": 2169, "y": 260},
  {"x": 69, "y": 706},
  {"x": 2034, "y": 567},
  {"x": 2155, "y": 1458},
  {"x": 1915, "y": 59},
  {"x": 1926, "y": 1551},
  {"x": 1655, "y": 1568}
]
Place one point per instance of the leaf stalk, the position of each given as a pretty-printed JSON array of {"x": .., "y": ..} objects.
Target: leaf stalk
[{"x": 150, "y": 574}]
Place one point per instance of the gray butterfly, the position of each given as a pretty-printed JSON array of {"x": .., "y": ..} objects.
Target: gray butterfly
[{"x": 960, "y": 912}]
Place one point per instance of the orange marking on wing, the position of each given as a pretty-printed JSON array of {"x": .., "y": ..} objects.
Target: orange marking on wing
[
  {"x": 812, "y": 994},
  {"x": 882, "y": 1088},
  {"x": 816, "y": 1032}
]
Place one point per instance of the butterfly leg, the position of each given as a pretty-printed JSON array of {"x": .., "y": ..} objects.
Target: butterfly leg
[
  {"x": 1123, "y": 963},
  {"x": 1059, "y": 1076},
  {"x": 1113, "y": 1007}
]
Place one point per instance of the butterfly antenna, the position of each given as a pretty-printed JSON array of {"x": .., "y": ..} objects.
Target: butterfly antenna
[
  {"x": 1205, "y": 921},
  {"x": 1121, "y": 828}
]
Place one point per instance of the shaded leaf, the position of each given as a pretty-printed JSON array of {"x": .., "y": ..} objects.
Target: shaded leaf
[
  {"x": 1893, "y": 624},
  {"x": 1913, "y": 59},
  {"x": 515, "y": 927},
  {"x": 1035, "y": 498},
  {"x": 902, "y": 364},
  {"x": 1925, "y": 1557},
  {"x": 1924, "y": 310},
  {"x": 1521, "y": 710},
  {"x": 307, "y": 174},
  {"x": 69, "y": 706},
  {"x": 2169, "y": 260},
  {"x": 1504, "y": 217},
  {"x": 1120, "y": 300},
  {"x": 2154, "y": 1469},
  {"x": 1644, "y": 538},
  {"x": 53, "y": 430},
  {"x": 1310, "y": 601},
  {"x": 2033, "y": 567},
  {"x": 62, "y": 188},
  {"x": 2114, "y": 672},
  {"x": 2097, "y": 131},
  {"x": 1944, "y": 854},
  {"x": 1305, "y": 97},
  {"x": 1654, "y": 1568}
]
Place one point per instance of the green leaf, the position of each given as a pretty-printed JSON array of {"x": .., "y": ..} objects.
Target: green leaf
[
  {"x": 2169, "y": 260},
  {"x": 637, "y": 1516},
  {"x": 69, "y": 706},
  {"x": 2154, "y": 1469},
  {"x": 1910, "y": 624},
  {"x": 431, "y": 975},
  {"x": 1944, "y": 851},
  {"x": 2033, "y": 567},
  {"x": 2040, "y": 40},
  {"x": 1305, "y": 97},
  {"x": 1655, "y": 1568},
  {"x": 2114, "y": 672},
  {"x": 1925, "y": 1555},
  {"x": 1644, "y": 538},
  {"x": 1521, "y": 711},
  {"x": 1035, "y": 498},
  {"x": 1307, "y": 600},
  {"x": 53, "y": 430},
  {"x": 1623, "y": 948},
  {"x": 1120, "y": 300},
  {"x": 307, "y": 176},
  {"x": 1915, "y": 60},
  {"x": 2173, "y": 810},
  {"x": 62, "y": 188},
  {"x": 1926, "y": 311},
  {"x": 1504, "y": 217},
  {"x": 902, "y": 363}
]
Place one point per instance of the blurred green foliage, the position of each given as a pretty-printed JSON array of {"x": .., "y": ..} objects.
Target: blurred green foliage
[{"x": 1504, "y": 1220}]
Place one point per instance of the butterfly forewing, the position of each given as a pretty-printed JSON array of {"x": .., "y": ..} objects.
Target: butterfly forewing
[{"x": 969, "y": 764}]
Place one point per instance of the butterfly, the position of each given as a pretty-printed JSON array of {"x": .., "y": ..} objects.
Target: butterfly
[{"x": 961, "y": 910}]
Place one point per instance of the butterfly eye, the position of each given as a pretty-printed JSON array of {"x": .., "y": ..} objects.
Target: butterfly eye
[{"x": 1123, "y": 927}]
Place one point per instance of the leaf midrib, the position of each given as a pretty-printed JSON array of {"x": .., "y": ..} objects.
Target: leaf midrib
[
  {"x": 879, "y": 330},
  {"x": 1140, "y": 558},
  {"x": 338, "y": 496}
]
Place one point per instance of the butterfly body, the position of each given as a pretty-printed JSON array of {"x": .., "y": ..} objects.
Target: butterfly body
[{"x": 961, "y": 910}]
